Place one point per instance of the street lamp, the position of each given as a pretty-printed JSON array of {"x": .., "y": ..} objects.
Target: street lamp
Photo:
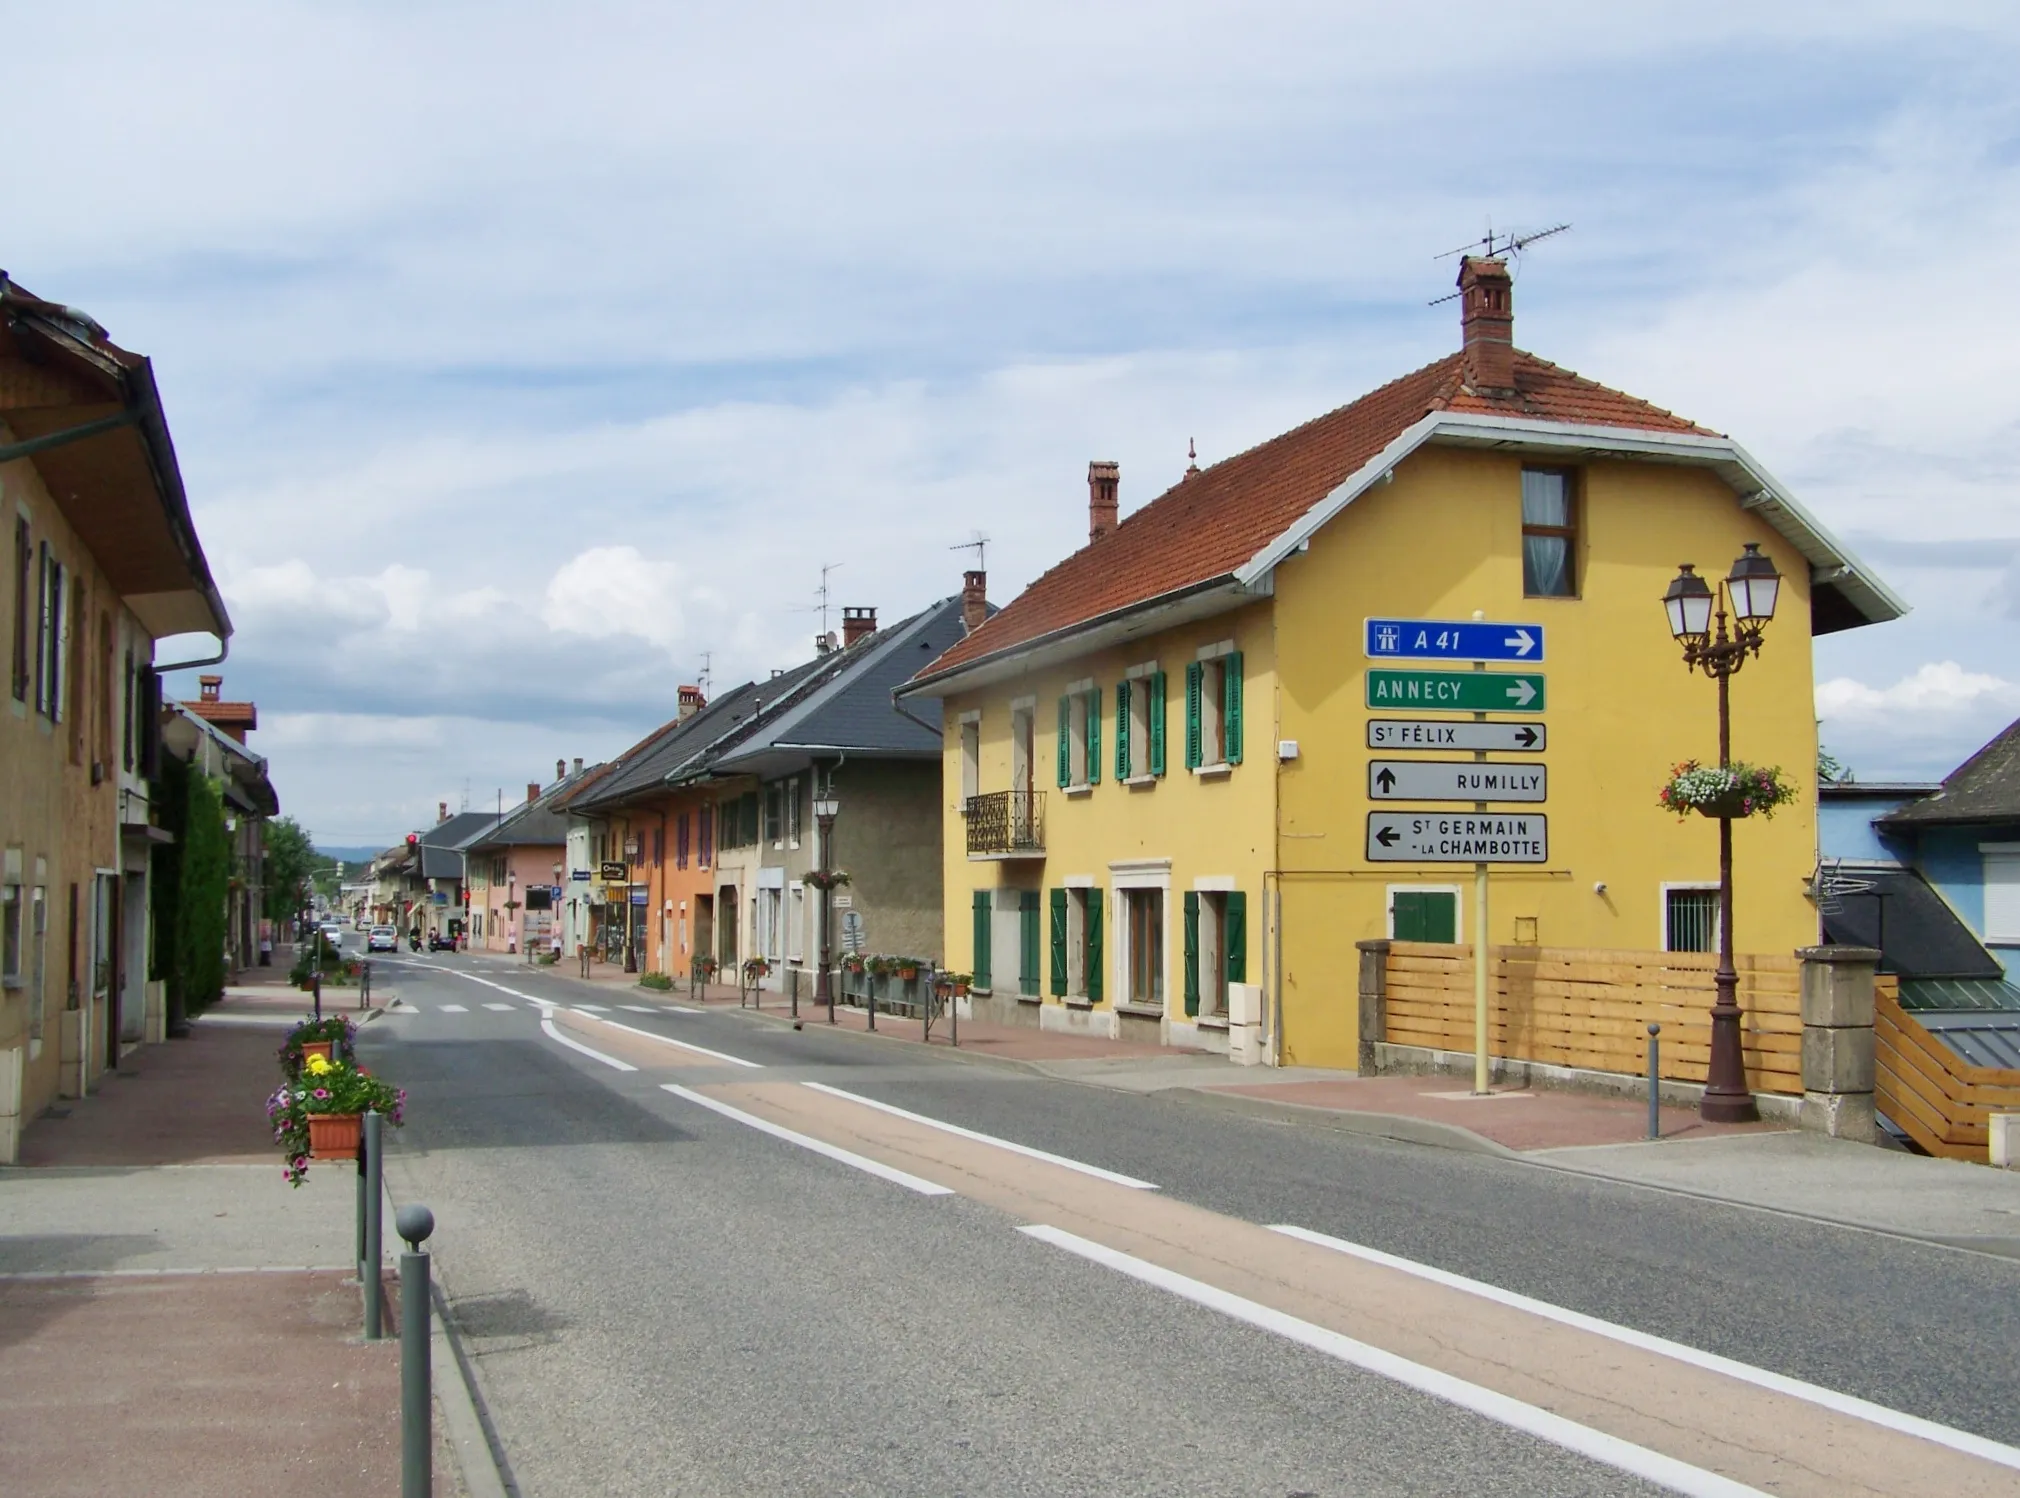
[
  {"x": 1697, "y": 621},
  {"x": 825, "y": 807}
]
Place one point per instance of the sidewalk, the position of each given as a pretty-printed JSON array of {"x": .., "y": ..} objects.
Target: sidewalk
[{"x": 169, "y": 1306}]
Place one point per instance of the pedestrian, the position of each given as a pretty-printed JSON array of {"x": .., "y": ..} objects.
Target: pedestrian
[{"x": 266, "y": 948}]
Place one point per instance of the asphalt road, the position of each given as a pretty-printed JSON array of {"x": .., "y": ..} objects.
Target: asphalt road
[{"x": 659, "y": 1299}]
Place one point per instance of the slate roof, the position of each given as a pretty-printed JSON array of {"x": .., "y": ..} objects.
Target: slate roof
[
  {"x": 1918, "y": 935},
  {"x": 539, "y": 823},
  {"x": 1213, "y": 521},
  {"x": 442, "y": 845},
  {"x": 1985, "y": 788}
]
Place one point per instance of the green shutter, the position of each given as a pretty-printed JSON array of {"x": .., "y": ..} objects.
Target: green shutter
[
  {"x": 980, "y": 958},
  {"x": 1094, "y": 898},
  {"x": 1156, "y": 716},
  {"x": 1235, "y": 938},
  {"x": 1094, "y": 735},
  {"x": 1193, "y": 675},
  {"x": 1027, "y": 943},
  {"x": 1230, "y": 696},
  {"x": 1059, "y": 942},
  {"x": 1192, "y": 953},
  {"x": 1425, "y": 915},
  {"x": 1065, "y": 742},
  {"x": 1122, "y": 766}
]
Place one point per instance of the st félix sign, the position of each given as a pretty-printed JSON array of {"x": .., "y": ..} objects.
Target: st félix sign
[
  {"x": 1431, "y": 733},
  {"x": 1452, "y": 640},
  {"x": 1457, "y": 837},
  {"x": 1455, "y": 780},
  {"x": 1457, "y": 691}
]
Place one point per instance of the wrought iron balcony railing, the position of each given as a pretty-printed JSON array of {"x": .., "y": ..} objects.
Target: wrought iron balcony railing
[{"x": 1007, "y": 824}]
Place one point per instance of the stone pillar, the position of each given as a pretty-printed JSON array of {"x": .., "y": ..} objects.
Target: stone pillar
[
  {"x": 1374, "y": 1000},
  {"x": 1837, "y": 1005}
]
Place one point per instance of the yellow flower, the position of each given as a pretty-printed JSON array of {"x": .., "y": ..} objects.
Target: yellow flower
[{"x": 317, "y": 1064}]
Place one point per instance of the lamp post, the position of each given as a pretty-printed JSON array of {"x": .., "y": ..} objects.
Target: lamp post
[
  {"x": 630, "y": 943},
  {"x": 1697, "y": 621},
  {"x": 825, "y": 807}
]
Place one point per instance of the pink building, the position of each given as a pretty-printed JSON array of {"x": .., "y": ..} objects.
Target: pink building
[{"x": 513, "y": 871}]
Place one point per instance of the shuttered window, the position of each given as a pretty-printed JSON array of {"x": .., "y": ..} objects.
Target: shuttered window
[
  {"x": 1191, "y": 953},
  {"x": 1027, "y": 943},
  {"x": 1059, "y": 942},
  {"x": 980, "y": 957}
]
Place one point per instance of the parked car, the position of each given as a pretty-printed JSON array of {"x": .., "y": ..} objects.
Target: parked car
[
  {"x": 383, "y": 939},
  {"x": 334, "y": 930}
]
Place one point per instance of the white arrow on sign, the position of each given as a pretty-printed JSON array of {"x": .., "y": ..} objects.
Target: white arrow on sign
[
  {"x": 1521, "y": 642},
  {"x": 1522, "y": 692}
]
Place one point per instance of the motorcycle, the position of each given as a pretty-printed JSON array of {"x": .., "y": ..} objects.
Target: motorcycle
[{"x": 414, "y": 941}]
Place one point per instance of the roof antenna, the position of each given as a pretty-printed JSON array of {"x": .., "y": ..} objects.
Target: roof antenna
[
  {"x": 707, "y": 656},
  {"x": 1191, "y": 457},
  {"x": 980, "y": 546},
  {"x": 1492, "y": 246}
]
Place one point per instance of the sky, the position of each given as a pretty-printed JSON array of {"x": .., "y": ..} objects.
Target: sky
[{"x": 523, "y": 362}]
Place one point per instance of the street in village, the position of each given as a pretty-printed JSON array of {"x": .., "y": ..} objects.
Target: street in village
[{"x": 693, "y": 1250}]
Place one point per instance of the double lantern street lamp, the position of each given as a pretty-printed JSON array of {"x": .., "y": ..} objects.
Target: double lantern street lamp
[
  {"x": 825, "y": 808},
  {"x": 1697, "y": 620}
]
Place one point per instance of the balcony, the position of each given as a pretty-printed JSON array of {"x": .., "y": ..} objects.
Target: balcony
[{"x": 1006, "y": 824}]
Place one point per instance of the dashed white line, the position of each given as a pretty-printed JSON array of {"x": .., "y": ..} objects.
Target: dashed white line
[
  {"x": 451, "y": 1009},
  {"x": 1830, "y": 1399},
  {"x": 505, "y": 1008},
  {"x": 700, "y": 1050},
  {"x": 547, "y": 1027},
  {"x": 591, "y": 1008},
  {"x": 818, "y": 1146},
  {"x": 1113, "y": 1177},
  {"x": 634, "y": 1008},
  {"x": 1611, "y": 1451}
]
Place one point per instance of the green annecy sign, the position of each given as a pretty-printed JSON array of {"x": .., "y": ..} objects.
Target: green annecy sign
[{"x": 1458, "y": 691}]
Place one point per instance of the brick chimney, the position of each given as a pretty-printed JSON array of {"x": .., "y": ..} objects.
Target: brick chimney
[
  {"x": 576, "y": 768},
  {"x": 441, "y": 811},
  {"x": 857, "y": 624},
  {"x": 691, "y": 702},
  {"x": 974, "y": 600},
  {"x": 209, "y": 687},
  {"x": 561, "y": 769},
  {"x": 532, "y": 790},
  {"x": 1104, "y": 480},
  {"x": 1487, "y": 319}
]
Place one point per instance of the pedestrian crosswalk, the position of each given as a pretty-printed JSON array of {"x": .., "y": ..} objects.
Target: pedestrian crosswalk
[{"x": 503, "y": 1007}]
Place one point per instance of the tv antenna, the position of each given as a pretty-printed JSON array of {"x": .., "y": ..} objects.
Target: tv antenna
[
  {"x": 707, "y": 657},
  {"x": 821, "y": 593},
  {"x": 1492, "y": 246},
  {"x": 980, "y": 546}
]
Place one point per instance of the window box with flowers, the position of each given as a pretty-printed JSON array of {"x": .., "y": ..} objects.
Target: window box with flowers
[
  {"x": 319, "y": 1114},
  {"x": 828, "y": 879},
  {"x": 332, "y": 1037}
]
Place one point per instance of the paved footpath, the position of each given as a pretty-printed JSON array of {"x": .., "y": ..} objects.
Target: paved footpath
[{"x": 168, "y": 1306}]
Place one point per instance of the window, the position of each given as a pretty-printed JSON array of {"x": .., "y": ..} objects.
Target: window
[
  {"x": 2002, "y": 891},
  {"x": 983, "y": 940},
  {"x": 1144, "y": 909},
  {"x": 11, "y": 913},
  {"x": 971, "y": 760},
  {"x": 1080, "y": 737},
  {"x": 1213, "y": 693},
  {"x": 1076, "y": 944},
  {"x": 102, "y": 740},
  {"x": 705, "y": 836},
  {"x": 681, "y": 830},
  {"x": 796, "y": 928},
  {"x": 1549, "y": 534},
  {"x": 1027, "y": 943},
  {"x": 747, "y": 820},
  {"x": 1216, "y": 949},
  {"x": 793, "y": 813},
  {"x": 1424, "y": 914},
  {"x": 1690, "y": 918},
  {"x": 24, "y": 562},
  {"x": 49, "y": 637},
  {"x": 38, "y": 957},
  {"x": 658, "y": 847},
  {"x": 77, "y": 639},
  {"x": 775, "y": 800},
  {"x": 1139, "y": 725},
  {"x": 131, "y": 715}
]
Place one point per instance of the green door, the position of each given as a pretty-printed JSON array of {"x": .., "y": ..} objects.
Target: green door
[{"x": 1424, "y": 915}]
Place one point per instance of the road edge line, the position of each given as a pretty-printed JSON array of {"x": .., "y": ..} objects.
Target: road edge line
[
  {"x": 835, "y": 1152},
  {"x": 547, "y": 1028},
  {"x": 685, "y": 1045}
]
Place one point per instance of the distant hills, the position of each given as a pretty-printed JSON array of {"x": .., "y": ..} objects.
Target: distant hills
[{"x": 351, "y": 855}]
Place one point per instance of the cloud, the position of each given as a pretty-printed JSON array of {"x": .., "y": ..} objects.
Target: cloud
[{"x": 613, "y": 590}]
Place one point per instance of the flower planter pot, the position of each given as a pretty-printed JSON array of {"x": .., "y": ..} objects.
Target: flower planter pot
[
  {"x": 1723, "y": 806},
  {"x": 316, "y": 1048},
  {"x": 908, "y": 974},
  {"x": 334, "y": 1136}
]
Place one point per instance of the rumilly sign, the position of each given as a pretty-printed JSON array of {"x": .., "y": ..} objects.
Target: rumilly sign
[
  {"x": 1454, "y": 780},
  {"x": 1454, "y": 837}
]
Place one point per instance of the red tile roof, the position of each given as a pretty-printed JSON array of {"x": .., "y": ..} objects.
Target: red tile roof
[
  {"x": 226, "y": 714},
  {"x": 1214, "y": 521}
]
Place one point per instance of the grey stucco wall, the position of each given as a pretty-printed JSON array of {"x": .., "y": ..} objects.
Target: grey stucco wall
[{"x": 887, "y": 836}]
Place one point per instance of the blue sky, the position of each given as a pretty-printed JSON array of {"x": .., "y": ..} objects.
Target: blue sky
[{"x": 516, "y": 358}]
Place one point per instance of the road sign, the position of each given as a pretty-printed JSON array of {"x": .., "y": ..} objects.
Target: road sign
[
  {"x": 1457, "y": 691},
  {"x": 1454, "y": 780},
  {"x": 1456, "y": 837},
  {"x": 1429, "y": 733},
  {"x": 1452, "y": 640}
]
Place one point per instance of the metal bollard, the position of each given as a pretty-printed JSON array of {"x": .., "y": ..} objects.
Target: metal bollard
[
  {"x": 375, "y": 1165},
  {"x": 417, "y": 1449},
  {"x": 1655, "y": 1081},
  {"x": 871, "y": 989},
  {"x": 316, "y": 988}
]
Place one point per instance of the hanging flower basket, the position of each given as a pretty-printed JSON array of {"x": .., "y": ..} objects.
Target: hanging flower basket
[
  {"x": 908, "y": 969},
  {"x": 1730, "y": 792},
  {"x": 319, "y": 1114},
  {"x": 334, "y": 1136},
  {"x": 831, "y": 879}
]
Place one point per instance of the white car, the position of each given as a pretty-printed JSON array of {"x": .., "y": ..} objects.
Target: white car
[{"x": 383, "y": 939}]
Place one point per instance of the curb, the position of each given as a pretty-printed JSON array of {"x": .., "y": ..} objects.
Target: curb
[
  {"x": 1397, "y": 1126},
  {"x": 468, "y": 1432}
]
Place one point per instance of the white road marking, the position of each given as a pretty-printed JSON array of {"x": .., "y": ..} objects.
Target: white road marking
[
  {"x": 699, "y": 1050},
  {"x": 1113, "y": 1177},
  {"x": 515, "y": 993},
  {"x": 818, "y": 1146},
  {"x": 505, "y": 1008},
  {"x": 1611, "y": 1451},
  {"x": 634, "y": 1008},
  {"x": 1830, "y": 1399},
  {"x": 452, "y": 1009},
  {"x": 547, "y": 1026},
  {"x": 592, "y": 1008}
]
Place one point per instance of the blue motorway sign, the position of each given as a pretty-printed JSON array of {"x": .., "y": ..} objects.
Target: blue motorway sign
[{"x": 1452, "y": 640}]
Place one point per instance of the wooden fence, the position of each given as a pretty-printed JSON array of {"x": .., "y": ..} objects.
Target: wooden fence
[
  {"x": 1592, "y": 1009},
  {"x": 1931, "y": 1092}
]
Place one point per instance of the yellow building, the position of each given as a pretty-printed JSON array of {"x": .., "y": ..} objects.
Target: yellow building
[{"x": 1161, "y": 764}]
